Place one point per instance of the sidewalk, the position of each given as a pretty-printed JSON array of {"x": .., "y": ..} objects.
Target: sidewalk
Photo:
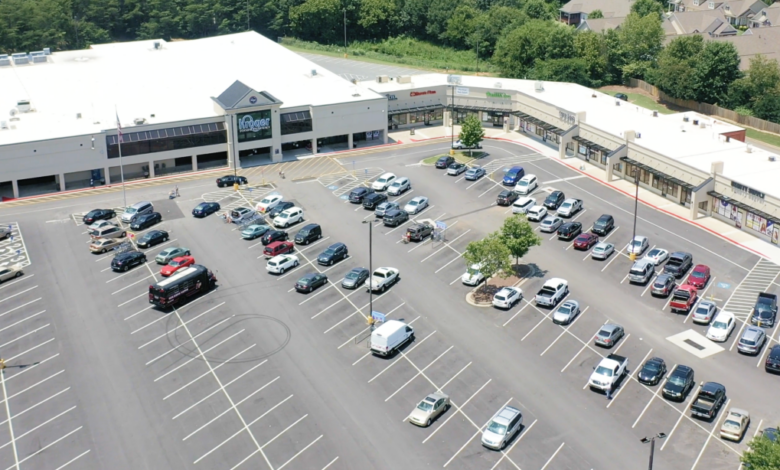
[{"x": 721, "y": 229}]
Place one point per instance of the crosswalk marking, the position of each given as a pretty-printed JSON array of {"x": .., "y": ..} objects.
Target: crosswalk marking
[{"x": 758, "y": 280}]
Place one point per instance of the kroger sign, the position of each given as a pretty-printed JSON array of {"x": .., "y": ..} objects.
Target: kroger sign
[{"x": 254, "y": 126}]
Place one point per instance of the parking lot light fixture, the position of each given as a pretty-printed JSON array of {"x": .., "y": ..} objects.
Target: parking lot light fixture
[
  {"x": 651, "y": 440},
  {"x": 632, "y": 255},
  {"x": 370, "y": 269}
]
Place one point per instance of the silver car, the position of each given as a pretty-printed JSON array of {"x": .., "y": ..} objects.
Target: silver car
[
  {"x": 663, "y": 285},
  {"x": 752, "y": 340},
  {"x": 550, "y": 224},
  {"x": 168, "y": 254},
  {"x": 4, "y": 232},
  {"x": 502, "y": 428},
  {"x": 602, "y": 250},
  {"x": 566, "y": 313},
  {"x": 638, "y": 245},
  {"x": 704, "y": 312},
  {"x": 385, "y": 207},
  {"x": 10, "y": 272},
  {"x": 609, "y": 334}
]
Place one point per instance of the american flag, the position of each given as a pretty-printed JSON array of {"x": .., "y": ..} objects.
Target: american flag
[{"x": 119, "y": 128}]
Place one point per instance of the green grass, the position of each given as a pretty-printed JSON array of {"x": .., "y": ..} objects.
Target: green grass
[
  {"x": 643, "y": 101},
  {"x": 460, "y": 156},
  {"x": 765, "y": 137}
]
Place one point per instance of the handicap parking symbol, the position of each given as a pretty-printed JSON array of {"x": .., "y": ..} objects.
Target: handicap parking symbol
[
  {"x": 344, "y": 197},
  {"x": 333, "y": 187}
]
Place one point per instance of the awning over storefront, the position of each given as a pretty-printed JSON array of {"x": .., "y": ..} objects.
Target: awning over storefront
[
  {"x": 660, "y": 174},
  {"x": 539, "y": 123},
  {"x": 414, "y": 109},
  {"x": 744, "y": 206},
  {"x": 483, "y": 108},
  {"x": 592, "y": 145}
]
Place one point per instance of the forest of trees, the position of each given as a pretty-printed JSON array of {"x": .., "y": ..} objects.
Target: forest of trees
[{"x": 515, "y": 38}]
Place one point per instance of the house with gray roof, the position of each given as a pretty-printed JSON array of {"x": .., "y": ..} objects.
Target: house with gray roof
[
  {"x": 599, "y": 25},
  {"x": 737, "y": 12},
  {"x": 767, "y": 17},
  {"x": 713, "y": 22},
  {"x": 576, "y": 11}
]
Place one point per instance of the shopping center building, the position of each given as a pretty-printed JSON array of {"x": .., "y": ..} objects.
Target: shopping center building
[
  {"x": 183, "y": 106},
  {"x": 692, "y": 160}
]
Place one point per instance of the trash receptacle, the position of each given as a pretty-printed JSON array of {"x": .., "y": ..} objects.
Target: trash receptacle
[
  {"x": 411, "y": 131},
  {"x": 235, "y": 186}
]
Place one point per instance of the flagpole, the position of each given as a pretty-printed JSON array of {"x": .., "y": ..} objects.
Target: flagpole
[{"x": 119, "y": 145}]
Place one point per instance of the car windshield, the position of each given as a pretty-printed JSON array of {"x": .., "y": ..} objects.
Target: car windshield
[
  {"x": 381, "y": 180},
  {"x": 765, "y": 313},
  {"x": 601, "y": 370},
  {"x": 697, "y": 274},
  {"x": 522, "y": 183},
  {"x": 425, "y": 406},
  {"x": 604, "y": 333},
  {"x": 497, "y": 428},
  {"x": 747, "y": 342},
  {"x": 473, "y": 272},
  {"x": 131, "y": 210},
  {"x": 721, "y": 325},
  {"x": 353, "y": 275},
  {"x": 512, "y": 173},
  {"x": 396, "y": 184},
  {"x": 305, "y": 281},
  {"x": 652, "y": 367},
  {"x": 600, "y": 223},
  {"x": 677, "y": 380},
  {"x": 702, "y": 310},
  {"x": 329, "y": 252},
  {"x": 500, "y": 297},
  {"x": 564, "y": 310},
  {"x": 731, "y": 424},
  {"x": 175, "y": 263},
  {"x": 637, "y": 242},
  {"x": 599, "y": 249},
  {"x": 412, "y": 203},
  {"x": 266, "y": 201}
]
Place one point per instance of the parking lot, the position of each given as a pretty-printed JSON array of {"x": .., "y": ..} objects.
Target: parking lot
[{"x": 254, "y": 374}]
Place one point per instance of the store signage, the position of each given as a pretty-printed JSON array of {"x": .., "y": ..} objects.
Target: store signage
[
  {"x": 254, "y": 126},
  {"x": 253, "y": 99},
  {"x": 751, "y": 191},
  {"x": 503, "y": 96},
  {"x": 391, "y": 97},
  {"x": 567, "y": 117},
  {"x": 421, "y": 93},
  {"x": 461, "y": 90}
]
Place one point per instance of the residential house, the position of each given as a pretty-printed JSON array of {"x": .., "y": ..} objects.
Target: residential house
[
  {"x": 737, "y": 12},
  {"x": 761, "y": 41},
  {"x": 713, "y": 22},
  {"x": 767, "y": 17},
  {"x": 599, "y": 25},
  {"x": 576, "y": 11}
]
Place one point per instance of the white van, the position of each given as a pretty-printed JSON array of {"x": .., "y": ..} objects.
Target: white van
[
  {"x": 140, "y": 208},
  {"x": 386, "y": 339}
]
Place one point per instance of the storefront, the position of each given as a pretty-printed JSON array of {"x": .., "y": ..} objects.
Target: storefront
[
  {"x": 544, "y": 131},
  {"x": 590, "y": 151},
  {"x": 495, "y": 118},
  {"x": 668, "y": 186},
  {"x": 426, "y": 115},
  {"x": 745, "y": 217}
]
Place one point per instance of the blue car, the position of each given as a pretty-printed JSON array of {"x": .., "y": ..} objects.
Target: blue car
[{"x": 514, "y": 175}]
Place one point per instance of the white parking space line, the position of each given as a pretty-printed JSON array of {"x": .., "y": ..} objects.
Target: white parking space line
[
  {"x": 180, "y": 326},
  {"x": 565, "y": 330},
  {"x": 193, "y": 358},
  {"x": 312, "y": 245},
  {"x": 622, "y": 342},
  {"x": 264, "y": 445},
  {"x": 299, "y": 453},
  {"x": 739, "y": 333},
  {"x": 145, "y": 294},
  {"x": 25, "y": 335},
  {"x": 140, "y": 312},
  {"x": 18, "y": 293},
  {"x": 131, "y": 285},
  {"x": 473, "y": 436},
  {"x": 319, "y": 291},
  {"x": 43, "y": 449},
  {"x": 650, "y": 282},
  {"x": 9, "y": 284},
  {"x": 628, "y": 381},
  {"x": 192, "y": 339},
  {"x": 767, "y": 345},
  {"x": 123, "y": 275},
  {"x": 446, "y": 245},
  {"x": 669, "y": 300},
  {"x": 660, "y": 386},
  {"x": 22, "y": 320},
  {"x": 29, "y": 350},
  {"x": 519, "y": 438},
  {"x": 29, "y": 368},
  {"x": 710, "y": 434},
  {"x": 387, "y": 315},
  {"x": 207, "y": 373},
  {"x": 330, "y": 463},
  {"x": 419, "y": 373},
  {"x": 682, "y": 415},
  {"x": 397, "y": 360},
  {"x": 615, "y": 256},
  {"x": 73, "y": 459},
  {"x": 20, "y": 306},
  {"x": 458, "y": 410},
  {"x": 516, "y": 314},
  {"x": 33, "y": 385},
  {"x": 340, "y": 300},
  {"x": 555, "y": 453},
  {"x": 701, "y": 297},
  {"x": 13, "y": 441},
  {"x": 10, "y": 421}
]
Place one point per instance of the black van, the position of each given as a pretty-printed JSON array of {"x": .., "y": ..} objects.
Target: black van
[{"x": 308, "y": 234}]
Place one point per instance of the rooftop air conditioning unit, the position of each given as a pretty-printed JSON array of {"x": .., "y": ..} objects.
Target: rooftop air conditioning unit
[
  {"x": 702, "y": 124},
  {"x": 593, "y": 95},
  {"x": 749, "y": 149},
  {"x": 139, "y": 121},
  {"x": 655, "y": 113},
  {"x": 404, "y": 79},
  {"x": 539, "y": 87},
  {"x": 47, "y": 51},
  {"x": 638, "y": 135},
  {"x": 157, "y": 45},
  {"x": 772, "y": 158},
  {"x": 23, "y": 106},
  {"x": 78, "y": 115},
  {"x": 313, "y": 72},
  {"x": 685, "y": 118},
  {"x": 3, "y": 125},
  {"x": 695, "y": 122},
  {"x": 382, "y": 79}
]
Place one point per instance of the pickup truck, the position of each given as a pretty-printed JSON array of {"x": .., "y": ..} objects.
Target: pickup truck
[
  {"x": 570, "y": 207},
  {"x": 765, "y": 310},
  {"x": 684, "y": 298},
  {"x": 553, "y": 291},
  {"x": 710, "y": 399},
  {"x": 608, "y": 372},
  {"x": 383, "y": 278}
]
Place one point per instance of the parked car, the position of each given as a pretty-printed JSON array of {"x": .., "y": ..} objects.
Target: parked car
[
  {"x": 652, "y": 371},
  {"x": 416, "y": 205},
  {"x": 704, "y": 312},
  {"x": 608, "y": 373},
  {"x": 254, "y": 231},
  {"x": 5, "y": 232},
  {"x": 126, "y": 260},
  {"x": 456, "y": 168},
  {"x": 390, "y": 337},
  {"x": 683, "y": 299},
  {"x": 280, "y": 207},
  {"x": 585, "y": 240},
  {"x": 289, "y": 217},
  {"x": 108, "y": 231},
  {"x": 506, "y": 198},
  {"x": 102, "y": 245},
  {"x": 460, "y": 145},
  {"x": 663, "y": 285},
  {"x": 752, "y": 340},
  {"x": 638, "y": 245},
  {"x": 609, "y": 335},
  {"x": 507, "y": 297},
  {"x": 472, "y": 276},
  {"x": 474, "y": 173},
  {"x": 385, "y": 207},
  {"x": 94, "y": 226},
  {"x": 394, "y": 218},
  {"x": 230, "y": 180},
  {"x": 382, "y": 278},
  {"x": 372, "y": 201},
  {"x": 657, "y": 256},
  {"x": 98, "y": 214},
  {"x": 308, "y": 234},
  {"x": 679, "y": 384},
  {"x": 152, "y": 238},
  {"x": 280, "y": 264},
  {"x": 268, "y": 203},
  {"x": 570, "y": 207},
  {"x": 721, "y": 326},
  {"x": 356, "y": 195},
  {"x": 241, "y": 214},
  {"x": 772, "y": 363},
  {"x": 502, "y": 428},
  {"x": 765, "y": 310},
  {"x": 734, "y": 426},
  {"x": 554, "y": 200},
  {"x": 678, "y": 264},
  {"x": 550, "y": 224},
  {"x": 383, "y": 182},
  {"x": 146, "y": 220},
  {"x": 536, "y": 213},
  {"x": 709, "y": 400},
  {"x": 699, "y": 277},
  {"x": 444, "y": 162},
  {"x": 355, "y": 278},
  {"x": 165, "y": 256},
  {"x": 309, "y": 282},
  {"x": 419, "y": 231},
  {"x": 527, "y": 184},
  {"x": 602, "y": 250},
  {"x": 552, "y": 292},
  {"x": 204, "y": 209},
  {"x": 335, "y": 252},
  {"x": 176, "y": 264},
  {"x": 10, "y": 272},
  {"x": 641, "y": 272},
  {"x": 566, "y": 313},
  {"x": 429, "y": 409},
  {"x": 512, "y": 176},
  {"x": 569, "y": 230},
  {"x": 278, "y": 248},
  {"x": 274, "y": 236},
  {"x": 603, "y": 225},
  {"x": 399, "y": 186},
  {"x": 522, "y": 205}
]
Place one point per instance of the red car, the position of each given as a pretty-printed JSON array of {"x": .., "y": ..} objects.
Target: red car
[
  {"x": 278, "y": 248},
  {"x": 176, "y": 264},
  {"x": 585, "y": 240},
  {"x": 699, "y": 277}
]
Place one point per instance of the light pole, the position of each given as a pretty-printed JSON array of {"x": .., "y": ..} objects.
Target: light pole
[
  {"x": 370, "y": 270},
  {"x": 632, "y": 255},
  {"x": 651, "y": 440},
  {"x": 345, "y": 31}
]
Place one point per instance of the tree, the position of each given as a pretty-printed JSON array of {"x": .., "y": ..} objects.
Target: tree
[
  {"x": 641, "y": 39},
  {"x": 716, "y": 70},
  {"x": 591, "y": 47},
  {"x": 647, "y": 7},
  {"x": 538, "y": 10},
  {"x": 561, "y": 70},
  {"x": 471, "y": 132},
  {"x": 676, "y": 71},
  {"x": 326, "y": 14},
  {"x": 376, "y": 17},
  {"x": 519, "y": 236},
  {"x": 595, "y": 14},
  {"x": 762, "y": 454},
  {"x": 461, "y": 25},
  {"x": 535, "y": 39},
  {"x": 767, "y": 105},
  {"x": 761, "y": 78},
  {"x": 492, "y": 256}
]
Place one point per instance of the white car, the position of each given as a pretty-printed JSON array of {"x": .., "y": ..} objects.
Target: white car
[
  {"x": 100, "y": 224},
  {"x": 638, "y": 245},
  {"x": 602, "y": 250},
  {"x": 288, "y": 217},
  {"x": 566, "y": 313},
  {"x": 416, "y": 205},
  {"x": 383, "y": 278},
  {"x": 507, "y": 297},
  {"x": 526, "y": 185},
  {"x": 522, "y": 205},
  {"x": 10, "y": 272},
  {"x": 240, "y": 214},
  {"x": 657, "y": 256},
  {"x": 399, "y": 186},
  {"x": 268, "y": 203},
  {"x": 383, "y": 182},
  {"x": 721, "y": 327},
  {"x": 472, "y": 277},
  {"x": 537, "y": 213},
  {"x": 460, "y": 145},
  {"x": 279, "y": 264},
  {"x": 550, "y": 224}
]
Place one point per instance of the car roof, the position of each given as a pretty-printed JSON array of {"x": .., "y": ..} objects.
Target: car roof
[
  {"x": 712, "y": 387},
  {"x": 605, "y": 217},
  {"x": 554, "y": 281},
  {"x": 725, "y": 315},
  {"x": 537, "y": 208},
  {"x": 602, "y": 244},
  {"x": 679, "y": 254},
  {"x": 739, "y": 411},
  {"x": 386, "y": 175},
  {"x": 700, "y": 267},
  {"x": 417, "y": 198},
  {"x": 656, "y": 359},
  {"x": 336, "y": 245},
  {"x": 508, "y": 290},
  {"x": 682, "y": 368},
  {"x": 707, "y": 302},
  {"x": 528, "y": 176},
  {"x": 358, "y": 270},
  {"x": 609, "y": 327},
  {"x": 508, "y": 413},
  {"x": 640, "y": 237},
  {"x": 752, "y": 332},
  {"x": 436, "y": 396}
]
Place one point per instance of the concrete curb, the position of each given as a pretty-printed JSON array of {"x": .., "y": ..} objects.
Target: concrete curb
[{"x": 522, "y": 278}]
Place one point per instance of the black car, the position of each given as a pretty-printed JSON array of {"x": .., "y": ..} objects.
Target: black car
[
  {"x": 621, "y": 96},
  {"x": 205, "y": 208},
  {"x": 680, "y": 382},
  {"x": 281, "y": 207},
  {"x": 653, "y": 371},
  {"x": 274, "y": 236},
  {"x": 444, "y": 162},
  {"x": 154, "y": 237},
  {"x": 125, "y": 261},
  {"x": 395, "y": 217},
  {"x": 554, "y": 200},
  {"x": 230, "y": 180},
  {"x": 98, "y": 214},
  {"x": 335, "y": 252},
  {"x": 603, "y": 225},
  {"x": 355, "y": 278},
  {"x": 356, "y": 195},
  {"x": 569, "y": 230},
  {"x": 506, "y": 198},
  {"x": 772, "y": 363},
  {"x": 678, "y": 264},
  {"x": 145, "y": 220},
  {"x": 310, "y": 282},
  {"x": 374, "y": 199},
  {"x": 710, "y": 399}
]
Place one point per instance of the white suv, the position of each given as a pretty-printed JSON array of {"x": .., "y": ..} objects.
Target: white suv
[
  {"x": 288, "y": 217},
  {"x": 383, "y": 182},
  {"x": 536, "y": 213},
  {"x": 502, "y": 428},
  {"x": 399, "y": 186}
]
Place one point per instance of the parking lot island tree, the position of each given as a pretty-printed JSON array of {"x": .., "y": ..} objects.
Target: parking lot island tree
[
  {"x": 492, "y": 255},
  {"x": 518, "y": 236},
  {"x": 763, "y": 454},
  {"x": 471, "y": 132}
]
